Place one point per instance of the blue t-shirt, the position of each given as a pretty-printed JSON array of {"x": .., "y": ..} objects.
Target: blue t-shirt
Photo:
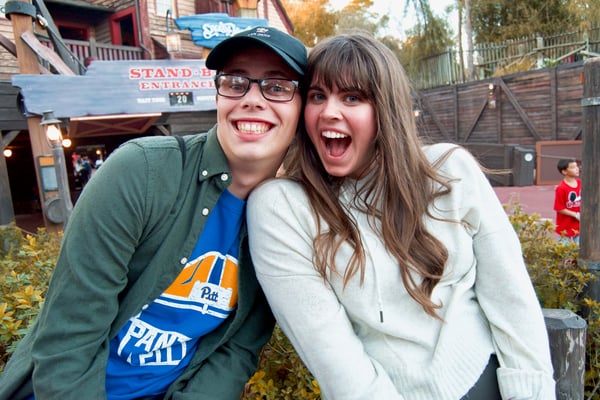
[{"x": 155, "y": 346}]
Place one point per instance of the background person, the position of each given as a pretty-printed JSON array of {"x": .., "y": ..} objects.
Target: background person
[
  {"x": 161, "y": 300},
  {"x": 567, "y": 201},
  {"x": 392, "y": 267}
]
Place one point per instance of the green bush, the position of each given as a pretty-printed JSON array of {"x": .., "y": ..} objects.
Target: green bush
[
  {"x": 281, "y": 374},
  {"x": 26, "y": 264},
  {"x": 560, "y": 282},
  {"x": 27, "y": 261}
]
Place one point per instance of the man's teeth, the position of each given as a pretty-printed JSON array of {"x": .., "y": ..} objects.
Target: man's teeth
[
  {"x": 333, "y": 135},
  {"x": 252, "y": 127}
]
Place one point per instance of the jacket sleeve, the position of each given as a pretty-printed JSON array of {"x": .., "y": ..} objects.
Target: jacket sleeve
[
  {"x": 281, "y": 229},
  {"x": 504, "y": 289},
  {"x": 71, "y": 348}
]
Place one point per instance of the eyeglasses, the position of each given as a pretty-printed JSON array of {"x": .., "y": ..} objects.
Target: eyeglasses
[{"x": 272, "y": 89}]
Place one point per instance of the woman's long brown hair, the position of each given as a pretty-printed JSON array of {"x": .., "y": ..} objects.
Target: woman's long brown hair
[{"x": 402, "y": 183}]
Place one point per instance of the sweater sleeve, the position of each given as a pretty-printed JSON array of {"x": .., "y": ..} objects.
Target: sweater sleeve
[
  {"x": 281, "y": 230},
  {"x": 504, "y": 289}
]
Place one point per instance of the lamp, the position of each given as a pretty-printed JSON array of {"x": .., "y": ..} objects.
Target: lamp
[
  {"x": 67, "y": 142},
  {"x": 58, "y": 208},
  {"x": 491, "y": 102},
  {"x": 172, "y": 37}
]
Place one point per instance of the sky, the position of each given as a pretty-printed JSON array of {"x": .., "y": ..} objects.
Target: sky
[{"x": 400, "y": 23}]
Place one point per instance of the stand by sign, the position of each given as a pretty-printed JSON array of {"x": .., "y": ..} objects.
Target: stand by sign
[{"x": 122, "y": 87}]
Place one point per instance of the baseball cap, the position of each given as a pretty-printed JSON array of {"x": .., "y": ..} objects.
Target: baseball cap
[{"x": 290, "y": 49}]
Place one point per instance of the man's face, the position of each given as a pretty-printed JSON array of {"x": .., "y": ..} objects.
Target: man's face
[{"x": 254, "y": 132}]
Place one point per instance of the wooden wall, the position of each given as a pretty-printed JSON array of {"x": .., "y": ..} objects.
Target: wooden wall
[
  {"x": 11, "y": 117},
  {"x": 530, "y": 107}
]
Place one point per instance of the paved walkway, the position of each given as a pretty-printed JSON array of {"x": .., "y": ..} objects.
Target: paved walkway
[{"x": 533, "y": 199}]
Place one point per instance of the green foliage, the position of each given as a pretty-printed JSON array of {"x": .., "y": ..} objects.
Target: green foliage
[
  {"x": 281, "y": 374},
  {"x": 313, "y": 20},
  {"x": 424, "y": 41},
  {"x": 560, "y": 282},
  {"x": 495, "y": 21},
  {"x": 26, "y": 264}
]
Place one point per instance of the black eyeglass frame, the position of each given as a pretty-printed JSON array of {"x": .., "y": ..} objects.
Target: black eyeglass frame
[{"x": 259, "y": 82}]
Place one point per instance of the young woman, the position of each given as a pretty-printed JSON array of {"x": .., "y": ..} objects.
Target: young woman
[{"x": 392, "y": 266}]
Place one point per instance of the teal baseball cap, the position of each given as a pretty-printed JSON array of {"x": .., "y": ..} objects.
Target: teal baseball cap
[{"x": 290, "y": 49}]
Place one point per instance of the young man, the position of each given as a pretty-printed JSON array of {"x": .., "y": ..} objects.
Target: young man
[
  {"x": 161, "y": 301},
  {"x": 567, "y": 201}
]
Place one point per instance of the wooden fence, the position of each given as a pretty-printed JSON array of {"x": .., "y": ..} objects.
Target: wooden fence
[
  {"x": 503, "y": 117},
  {"x": 497, "y": 59}
]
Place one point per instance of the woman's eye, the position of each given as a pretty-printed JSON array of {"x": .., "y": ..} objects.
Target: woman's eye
[
  {"x": 316, "y": 96},
  {"x": 352, "y": 98}
]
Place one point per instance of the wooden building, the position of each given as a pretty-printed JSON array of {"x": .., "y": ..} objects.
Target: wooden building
[{"x": 73, "y": 35}]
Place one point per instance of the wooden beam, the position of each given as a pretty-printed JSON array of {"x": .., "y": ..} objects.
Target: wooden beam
[
  {"x": 515, "y": 103},
  {"x": 589, "y": 251},
  {"x": 553, "y": 105},
  {"x": 28, "y": 64},
  {"x": 426, "y": 105},
  {"x": 7, "y": 214},
  {"x": 7, "y": 138},
  {"x": 476, "y": 119},
  {"x": 46, "y": 53},
  {"x": 61, "y": 49},
  {"x": 8, "y": 45}
]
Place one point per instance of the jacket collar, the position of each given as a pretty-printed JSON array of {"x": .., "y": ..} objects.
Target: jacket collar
[{"x": 213, "y": 160}]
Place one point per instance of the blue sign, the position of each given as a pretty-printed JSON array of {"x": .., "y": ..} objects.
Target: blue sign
[
  {"x": 122, "y": 87},
  {"x": 208, "y": 30}
]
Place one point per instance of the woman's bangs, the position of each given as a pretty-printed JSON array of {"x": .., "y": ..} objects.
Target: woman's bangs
[{"x": 345, "y": 72}]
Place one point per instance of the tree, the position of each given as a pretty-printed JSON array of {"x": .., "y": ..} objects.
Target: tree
[
  {"x": 423, "y": 42},
  {"x": 586, "y": 12},
  {"x": 469, "y": 39},
  {"x": 356, "y": 16},
  {"x": 499, "y": 20},
  {"x": 312, "y": 19}
]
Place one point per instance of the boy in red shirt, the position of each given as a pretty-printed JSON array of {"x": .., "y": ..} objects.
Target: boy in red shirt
[{"x": 567, "y": 201}]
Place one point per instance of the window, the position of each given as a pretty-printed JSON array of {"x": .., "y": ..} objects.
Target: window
[
  {"x": 163, "y": 5},
  {"x": 123, "y": 28},
  {"x": 73, "y": 32}
]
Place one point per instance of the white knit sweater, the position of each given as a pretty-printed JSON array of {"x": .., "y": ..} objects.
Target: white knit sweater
[{"x": 374, "y": 341}]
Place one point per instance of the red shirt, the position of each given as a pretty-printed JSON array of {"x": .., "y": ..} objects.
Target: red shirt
[{"x": 567, "y": 198}]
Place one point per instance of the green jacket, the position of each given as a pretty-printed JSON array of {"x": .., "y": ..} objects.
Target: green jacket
[{"x": 128, "y": 237}]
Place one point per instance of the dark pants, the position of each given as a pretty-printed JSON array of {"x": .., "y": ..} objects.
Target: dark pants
[{"x": 486, "y": 388}]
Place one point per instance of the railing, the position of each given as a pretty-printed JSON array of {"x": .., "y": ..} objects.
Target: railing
[
  {"x": 103, "y": 51},
  {"x": 84, "y": 51},
  {"x": 511, "y": 56}
]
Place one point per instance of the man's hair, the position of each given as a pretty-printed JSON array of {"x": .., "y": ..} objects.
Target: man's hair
[{"x": 563, "y": 164}]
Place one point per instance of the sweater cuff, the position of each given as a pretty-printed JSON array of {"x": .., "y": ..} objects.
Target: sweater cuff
[{"x": 517, "y": 384}]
